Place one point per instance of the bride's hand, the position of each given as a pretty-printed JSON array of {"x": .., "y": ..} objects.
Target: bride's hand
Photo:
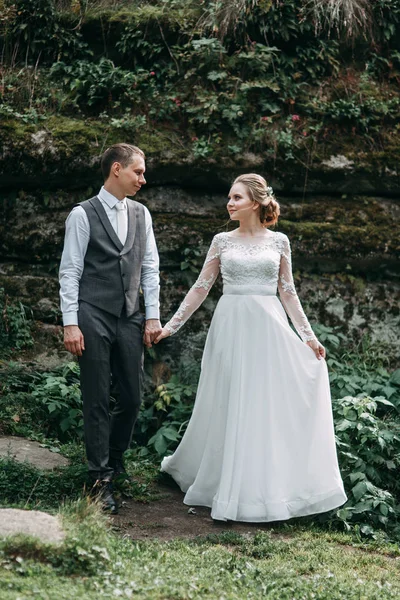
[
  {"x": 317, "y": 348},
  {"x": 164, "y": 334}
]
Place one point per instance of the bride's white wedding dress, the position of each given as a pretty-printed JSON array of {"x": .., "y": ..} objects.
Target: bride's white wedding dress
[{"x": 260, "y": 443}]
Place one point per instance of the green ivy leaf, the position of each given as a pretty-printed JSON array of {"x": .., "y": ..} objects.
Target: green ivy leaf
[{"x": 359, "y": 490}]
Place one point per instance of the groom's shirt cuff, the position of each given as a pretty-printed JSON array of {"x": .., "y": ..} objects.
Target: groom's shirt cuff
[
  {"x": 70, "y": 318},
  {"x": 152, "y": 312}
]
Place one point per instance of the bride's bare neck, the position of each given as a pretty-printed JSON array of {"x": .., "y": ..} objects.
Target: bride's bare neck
[
  {"x": 250, "y": 230},
  {"x": 250, "y": 226}
]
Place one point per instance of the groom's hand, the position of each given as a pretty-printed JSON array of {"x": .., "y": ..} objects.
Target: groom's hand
[
  {"x": 151, "y": 331},
  {"x": 73, "y": 340}
]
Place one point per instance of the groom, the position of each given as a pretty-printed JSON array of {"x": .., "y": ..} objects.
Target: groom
[{"x": 109, "y": 255}]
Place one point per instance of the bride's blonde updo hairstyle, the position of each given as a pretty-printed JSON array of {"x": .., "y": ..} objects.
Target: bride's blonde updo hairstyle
[{"x": 260, "y": 192}]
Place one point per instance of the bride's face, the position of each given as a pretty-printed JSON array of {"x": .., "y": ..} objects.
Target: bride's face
[{"x": 239, "y": 204}]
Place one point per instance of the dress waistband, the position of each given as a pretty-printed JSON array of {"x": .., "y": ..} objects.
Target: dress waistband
[{"x": 250, "y": 290}]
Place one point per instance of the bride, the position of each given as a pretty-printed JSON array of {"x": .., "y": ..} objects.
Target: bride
[{"x": 260, "y": 443}]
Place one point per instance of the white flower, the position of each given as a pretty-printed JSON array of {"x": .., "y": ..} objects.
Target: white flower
[{"x": 270, "y": 191}]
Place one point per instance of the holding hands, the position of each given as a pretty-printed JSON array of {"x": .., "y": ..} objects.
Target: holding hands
[
  {"x": 164, "y": 334},
  {"x": 152, "y": 331}
]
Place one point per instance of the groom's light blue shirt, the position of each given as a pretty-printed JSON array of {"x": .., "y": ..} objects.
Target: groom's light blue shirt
[{"x": 77, "y": 235}]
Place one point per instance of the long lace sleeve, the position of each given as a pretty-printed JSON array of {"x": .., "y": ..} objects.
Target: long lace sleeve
[
  {"x": 199, "y": 291},
  {"x": 288, "y": 294}
]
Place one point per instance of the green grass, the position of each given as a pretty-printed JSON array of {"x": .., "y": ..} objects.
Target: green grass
[
  {"x": 285, "y": 564},
  {"x": 25, "y": 486},
  {"x": 22, "y": 484}
]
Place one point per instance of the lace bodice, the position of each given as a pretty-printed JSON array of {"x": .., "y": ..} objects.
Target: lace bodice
[{"x": 241, "y": 261}]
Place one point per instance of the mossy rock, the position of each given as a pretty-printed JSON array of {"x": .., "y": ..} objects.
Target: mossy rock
[
  {"x": 355, "y": 230},
  {"x": 61, "y": 150},
  {"x": 65, "y": 152}
]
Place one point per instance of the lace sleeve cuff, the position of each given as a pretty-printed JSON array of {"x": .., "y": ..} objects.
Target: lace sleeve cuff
[
  {"x": 198, "y": 291},
  {"x": 178, "y": 319},
  {"x": 306, "y": 334}
]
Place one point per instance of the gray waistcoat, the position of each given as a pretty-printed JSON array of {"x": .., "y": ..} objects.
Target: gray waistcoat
[{"x": 111, "y": 272}]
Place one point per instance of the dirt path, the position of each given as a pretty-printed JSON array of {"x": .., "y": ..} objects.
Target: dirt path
[{"x": 168, "y": 518}]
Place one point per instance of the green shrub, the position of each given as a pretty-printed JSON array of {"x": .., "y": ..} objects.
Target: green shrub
[
  {"x": 364, "y": 113},
  {"x": 22, "y": 484},
  {"x": 60, "y": 393},
  {"x": 15, "y": 325},
  {"x": 35, "y": 31},
  {"x": 42, "y": 405},
  {"x": 221, "y": 82},
  {"x": 162, "y": 424},
  {"x": 94, "y": 84},
  {"x": 366, "y": 403},
  {"x": 369, "y": 458}
]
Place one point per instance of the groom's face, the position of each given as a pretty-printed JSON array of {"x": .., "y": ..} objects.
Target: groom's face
[{"x": 131, "y": 178}]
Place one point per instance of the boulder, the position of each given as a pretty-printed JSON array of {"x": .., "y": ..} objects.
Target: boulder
[
  {"x": 31, "y": 522},
  {"x": 23, "y": 450}
]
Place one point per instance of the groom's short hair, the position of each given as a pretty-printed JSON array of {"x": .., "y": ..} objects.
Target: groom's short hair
[{"x": 122, "y": 153}]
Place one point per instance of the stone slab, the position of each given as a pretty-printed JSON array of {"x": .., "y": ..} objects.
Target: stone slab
[
  {"x": 23, "y": 450},
  {"x": 30, "y": 522}
]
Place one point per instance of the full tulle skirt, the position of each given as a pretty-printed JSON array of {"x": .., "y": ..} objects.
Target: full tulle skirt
[{"x": 260, "y": 443}]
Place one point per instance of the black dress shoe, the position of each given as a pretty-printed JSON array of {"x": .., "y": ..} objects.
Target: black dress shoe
[
  {"x": 118, "y": 466},
  {"x": 103, "y": 491}
]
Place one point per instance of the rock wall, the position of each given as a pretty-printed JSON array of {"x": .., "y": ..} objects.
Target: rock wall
[{"x": 345, "y": 244}]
